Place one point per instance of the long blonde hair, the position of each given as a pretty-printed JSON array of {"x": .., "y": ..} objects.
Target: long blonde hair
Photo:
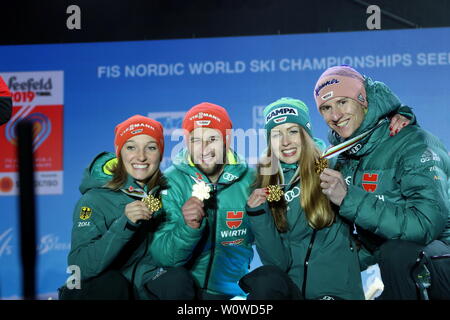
[{"x": 315, "y": 204}]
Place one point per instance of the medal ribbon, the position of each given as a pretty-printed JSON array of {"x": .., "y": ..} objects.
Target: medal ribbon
[
  {"x": 342, "y": 147},
  {"x": 152, "y": 203},
  {"x": 138, "y": 192}
]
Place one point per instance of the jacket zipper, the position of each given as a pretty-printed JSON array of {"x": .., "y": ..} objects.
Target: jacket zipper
[
  {"x": 305, "y": 265},
  {"x": 213, "y": 240},
  {"x": 354, "y": 173},
  {"x": 213, "y": 247},
  {"x": 354, "y": 184}
]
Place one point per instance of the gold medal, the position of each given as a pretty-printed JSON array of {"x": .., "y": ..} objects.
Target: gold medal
[
  {"x": 275, "y": 193},
  {"x": 320, "y": 165},
  {"x": 153, "y": 204},
  {"x": 201, "y": 190}
]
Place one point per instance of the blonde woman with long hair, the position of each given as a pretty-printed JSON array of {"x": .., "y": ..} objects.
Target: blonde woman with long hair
[{"x": 306, "y": 249}]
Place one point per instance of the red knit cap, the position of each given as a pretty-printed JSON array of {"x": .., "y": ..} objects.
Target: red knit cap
[
  {"x": 340, "y": 81},
  {"x": 207, "y": 115},
  {"x": 137, "y": 125}
]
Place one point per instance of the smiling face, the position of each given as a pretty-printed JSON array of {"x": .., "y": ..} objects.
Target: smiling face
[
  {"x": 285, "y": 142},
  {"x": 207, "y": 150},
  {"x": 343, "y": 115},
  {"x": 141, "y": 157}
]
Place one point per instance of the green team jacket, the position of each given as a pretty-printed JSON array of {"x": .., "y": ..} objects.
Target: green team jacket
[
  {"x": 102, "y": 236},
  {"x": 332, "y": 260},
  {"x": 220, "y": 251},
  {"x": 397, "y": 186}
]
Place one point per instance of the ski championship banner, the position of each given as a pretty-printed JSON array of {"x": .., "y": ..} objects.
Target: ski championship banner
[{"x": 77, "y": 93}]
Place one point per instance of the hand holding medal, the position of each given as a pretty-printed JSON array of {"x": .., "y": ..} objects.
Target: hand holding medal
[
  {"x": 134, "y": 210},
  {"x": 192, "y": 209},
  {"x": 270, "y": 193}
]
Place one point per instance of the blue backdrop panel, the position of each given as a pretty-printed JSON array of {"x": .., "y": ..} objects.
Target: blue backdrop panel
[{"x": 104, "y": 83}]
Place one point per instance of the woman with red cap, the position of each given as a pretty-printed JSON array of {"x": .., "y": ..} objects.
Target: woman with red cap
[{"x": 115, "y": 219}]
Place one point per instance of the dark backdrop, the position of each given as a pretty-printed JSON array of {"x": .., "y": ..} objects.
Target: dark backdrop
[{"x": 44, "y": 21}]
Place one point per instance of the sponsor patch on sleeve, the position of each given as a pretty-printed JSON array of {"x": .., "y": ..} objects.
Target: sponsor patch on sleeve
[{"x": 85, "y": 213}]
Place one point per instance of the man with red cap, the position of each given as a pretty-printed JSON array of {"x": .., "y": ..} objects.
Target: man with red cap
[
  {"x": 207, "y": 229},
  {"x": 394, "y": 189},
  {"x": 5, "y": 102}
]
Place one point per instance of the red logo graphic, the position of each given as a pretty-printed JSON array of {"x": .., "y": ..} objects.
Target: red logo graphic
[
  {"x": 6, "y": 184},
  {"x": 370, "y": 182},
  {"x": 234, "y": 219},
  {"x": 199, "y": 176},
  {"x": 47, "y": 137},
  {"x": 233, "y": 242}
]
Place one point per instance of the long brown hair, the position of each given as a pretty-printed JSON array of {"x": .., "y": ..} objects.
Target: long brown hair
[
  {"x": 315, "y": 204},
  {"x": 120, "y": 176}
]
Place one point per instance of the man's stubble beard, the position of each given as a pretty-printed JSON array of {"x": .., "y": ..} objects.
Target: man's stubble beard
[{"x": 215, "y": 170}]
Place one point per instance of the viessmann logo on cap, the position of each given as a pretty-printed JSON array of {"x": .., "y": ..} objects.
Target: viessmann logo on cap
[
  {"x": 202, "y": 115},
  {"x": 136, "y": 126},
  {"x": 282, "y": 111}
]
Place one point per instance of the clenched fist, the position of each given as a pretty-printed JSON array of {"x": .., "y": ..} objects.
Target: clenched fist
[
  {"x": 333, "y": 185},
  {"x": 193, "y": 212},
  {"x": 136, "y": 211}
]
